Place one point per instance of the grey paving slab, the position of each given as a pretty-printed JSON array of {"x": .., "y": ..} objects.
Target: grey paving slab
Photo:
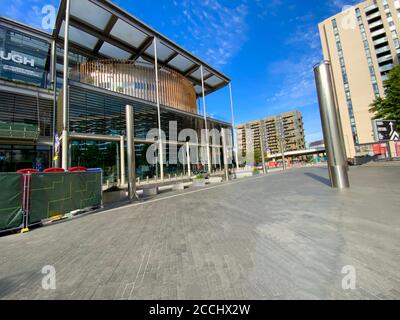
[{"x": 282, "y": 236}]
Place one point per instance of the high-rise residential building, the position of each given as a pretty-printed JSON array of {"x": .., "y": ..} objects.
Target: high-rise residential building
[
  {"x": 362, "y": 44},
  {"x": 287, "y": 127}
]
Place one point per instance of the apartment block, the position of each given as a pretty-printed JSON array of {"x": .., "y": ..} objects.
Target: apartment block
[
  {"x": 362, "y": 44},
  {"x": 269, "y": 132}
]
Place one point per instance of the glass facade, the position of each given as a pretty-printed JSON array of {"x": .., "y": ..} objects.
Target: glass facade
[
  {"x": 23, "y": 109},
  {"x": 93, "y": 112},
  {"x": 26, "y": 59},
  {"x": 14, "y": 157}
]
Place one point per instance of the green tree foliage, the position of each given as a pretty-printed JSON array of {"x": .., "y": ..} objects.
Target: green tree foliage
[
  {"x": 388, "y": 108},
  {"x": 256, "y": 155}
]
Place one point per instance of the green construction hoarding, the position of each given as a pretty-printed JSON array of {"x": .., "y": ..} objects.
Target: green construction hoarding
[
  {"x": 11, "y": 215},
  {"x": 55, "y": 194}
]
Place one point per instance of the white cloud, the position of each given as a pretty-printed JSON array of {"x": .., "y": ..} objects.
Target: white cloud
[
  {"x": 28, "y": 12},
  {"x": 309, "y": 35},
  {"x": 296, "y": 76},
  {"x": 213, "y": 29},
  {"x": 337, "y": 5}
]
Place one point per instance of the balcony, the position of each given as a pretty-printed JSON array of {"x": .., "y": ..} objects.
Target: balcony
[
  {"x": 386, "y": 68},
  {"x": 376, "y": 24},
  {"x": 385, "y": 58},
  {"x": 380, "y": 41},
  {"x": 383, "y": 49},
  {"x": 370, "y": 8},
  {"x": 378, "y": 33},
  {"x": 373, "y": 16}
]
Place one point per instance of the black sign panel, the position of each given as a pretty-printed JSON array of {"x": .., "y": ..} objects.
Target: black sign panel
[
  {"x": 23, "y": 58},
  {"x": 387, "y": 130}
]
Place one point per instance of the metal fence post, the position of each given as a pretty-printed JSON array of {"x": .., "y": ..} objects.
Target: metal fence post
[{"x": 25, "y": 201}]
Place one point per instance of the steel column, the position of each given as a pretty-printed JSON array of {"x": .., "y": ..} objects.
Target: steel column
[
  {"x": 122, "y": 159},
  {"x": 160, "y": 152},
  {"x": 65, "y": 149},
  {"x": 224, "y": 151},
  {"x": 333, "y": 137},
  {"x": 235, "y": 141},
  {"x": 118, "y": 163},
  {"x": 54, "y": 87},
  {"x": 282, "y": 147},
  {"x": 131, "y": 153},
  {"x": 205, "y": 119},
  {"x": 262, "y": 148},
  {"x": 188, "y": 158}
]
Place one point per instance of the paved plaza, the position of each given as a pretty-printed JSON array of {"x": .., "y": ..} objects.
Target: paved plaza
[{"x": 287, "y": 235}]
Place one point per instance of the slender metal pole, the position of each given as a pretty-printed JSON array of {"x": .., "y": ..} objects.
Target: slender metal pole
[
  {"x": 224, "y": 151},
  {"x": 54, "y": 87},
  {"x": 262, "y": 148},
  {"x": 122, "y": 159},
  {"x": 131, "y": 153},
  {"x": 333, "y": 137},
  {"x": 65, "y": 149},
  {"x": 160, "y": 152},
  {"x": 118, "y": 163},
  {"x": 282, "y": 153},
  {"x": 188, "y": 159},
  {"x": 205, "y": 120},
  {"x": 235, "y": 140}
]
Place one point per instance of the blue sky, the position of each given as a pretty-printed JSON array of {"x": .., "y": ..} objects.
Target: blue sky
[{"x": 267, "y": 48}]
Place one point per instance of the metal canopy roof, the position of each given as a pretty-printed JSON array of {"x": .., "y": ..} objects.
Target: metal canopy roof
[{"x": 100, "y": 28}]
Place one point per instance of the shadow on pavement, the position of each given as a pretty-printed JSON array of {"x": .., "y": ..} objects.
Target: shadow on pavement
[{"x": 318, "y": 178}]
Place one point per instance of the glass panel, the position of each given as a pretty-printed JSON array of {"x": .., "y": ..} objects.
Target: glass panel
[
  {"x": 163, "y": 51},
  {"x": 181, "y": 63},
  {"x": 198, "y": 89},
  {"x": 213, "y": 81},
  {"x": 197, "y": 74},
  {"x": 128, "y": 33},
  {"x": 140, "y": 60},
  {"x": 114, "y": 52},
  {"x": 90, "y": 13},
  {"x": 16, "y": 157},
  {"x": 95, "y": 154},
  {"x": 79, "y": 37}
]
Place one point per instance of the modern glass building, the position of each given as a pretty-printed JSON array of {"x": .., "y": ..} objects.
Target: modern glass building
[{"x": 113, "y": 60}]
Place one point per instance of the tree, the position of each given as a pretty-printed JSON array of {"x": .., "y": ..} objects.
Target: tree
[
  {"x": 255, "y": 154},
  {"x": 388, "y": 108}
]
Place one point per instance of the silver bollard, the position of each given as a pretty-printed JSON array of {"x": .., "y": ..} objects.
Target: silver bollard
[
  {"x": 333, "y": 135},
  {"x": 131, "y": 154}
]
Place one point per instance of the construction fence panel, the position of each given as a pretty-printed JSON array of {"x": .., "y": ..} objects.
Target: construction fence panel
[
  {"x": 55, "y": 194},
  {"x": 11, "y": 192}
]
